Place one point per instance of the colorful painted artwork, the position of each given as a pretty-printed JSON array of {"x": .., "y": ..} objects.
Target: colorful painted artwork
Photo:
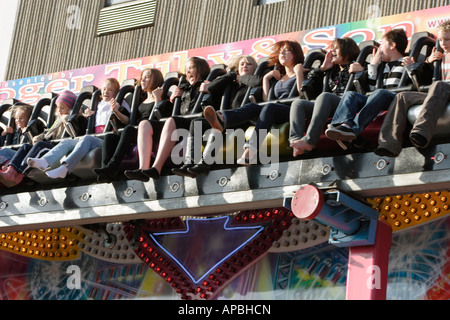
[{"x": 418, "y": 270}]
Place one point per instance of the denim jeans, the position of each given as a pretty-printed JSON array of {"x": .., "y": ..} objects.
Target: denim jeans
[
  {"x": 19, "y": 161},
  {"x": 266, "y": 116},
  {"x": 6, "y": 154},
  {"x": 271, "y": 113},
  {"x": 235, "y": 117},
  {"x": 359, "y": 110},
  {"x": 78, "y": 148}
]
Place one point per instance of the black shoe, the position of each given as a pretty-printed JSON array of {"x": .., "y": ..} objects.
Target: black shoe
[
  {"x": 104, "y": 179},
  {"x": 105, "y": 174},
  {"x": 151, "y": 173},
  {"x": 383, "y": 152},
  {"x": 106, "y": 171},
  {"x": 418, "y": 140},
  {"x": 341, "y": 133},
  {"x": 361, "y": 143},
  {"x": 183, "y": 171},
  {"x": 201, "y": 169},
  {"x": 136, "y": 175}
]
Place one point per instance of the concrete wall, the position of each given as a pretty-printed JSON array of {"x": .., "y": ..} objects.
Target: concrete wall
[{"x": 45, "y": 43}]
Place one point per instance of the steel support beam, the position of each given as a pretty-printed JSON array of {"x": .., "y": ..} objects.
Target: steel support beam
[
  {"x": 367, "y": 272},
  {"x": 361, "y": 176}
]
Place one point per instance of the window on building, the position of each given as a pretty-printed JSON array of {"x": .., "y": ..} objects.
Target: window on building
[
  {"x": 123, "y": 15},
  {"x": 262, "y": 2},
  {"x": 109, "y": 3}
]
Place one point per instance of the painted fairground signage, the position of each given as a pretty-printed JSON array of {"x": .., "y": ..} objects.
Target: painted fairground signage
[{"x": 30, "y": 89}]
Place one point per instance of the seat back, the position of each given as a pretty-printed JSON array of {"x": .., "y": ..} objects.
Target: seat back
[
  {"x": 171, "y": 79},
  {"x": 437, "y": 74},
  {"x": 5, "y": 116},
  {"x": 422, "y": 44},
  {"x": 216, "y": 71},
  {"x": 125, "y": 94},
  {"x": 84, "y": 100},
  {"x": 137, "y": 99},
  {"x": 364, "y": 57},
  {"x": 5, "y": 112},
  {"x": 313, "y": 59},
  {"x": 9, "y": 140},
  {"x": 261, "y": 70},
  {"x": 43, "y": 114}
]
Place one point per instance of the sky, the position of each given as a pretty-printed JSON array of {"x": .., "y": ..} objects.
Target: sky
[{"x": 8, "y": 9}]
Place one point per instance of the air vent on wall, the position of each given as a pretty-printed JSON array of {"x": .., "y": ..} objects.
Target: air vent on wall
[{"x": 136, "y": 14}]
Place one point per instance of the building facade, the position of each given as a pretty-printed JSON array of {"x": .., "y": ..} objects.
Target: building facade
[{"x": 53, "y": 36}]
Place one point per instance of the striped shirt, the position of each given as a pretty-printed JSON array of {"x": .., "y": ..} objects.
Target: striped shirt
[{"x": 392, "y": 73}]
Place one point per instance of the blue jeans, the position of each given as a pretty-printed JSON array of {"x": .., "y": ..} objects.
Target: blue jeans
[
  {"x": 78, "y": 148},
  {"x": 359, "y": 110},
  {"x": 238, "y": 116},
  {"x": 271, "y": 113},
  {"x": 19, "y": 161},
  {"x": 6, "y": 154}
]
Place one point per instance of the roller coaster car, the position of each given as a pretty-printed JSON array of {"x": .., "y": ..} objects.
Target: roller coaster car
[
  {"x": 5, "y": 117},
  {"x": 313, "y": 59},
  {"x": 421, "y": 46},
  {"x": 216, "y": 71},
  {"x": 76, "y": 126},
  {"x": 159, "y": 112},
  {"x": 163, "y": 109},
  {"x": 443, "y": 125},
  {"x": 94, "y": 157},
  {"x": 36, "y": 123},
  {"x": 43, "y": 115},
  {"x": 414, "y": 77},
  {"x": 34, "y": 128}
]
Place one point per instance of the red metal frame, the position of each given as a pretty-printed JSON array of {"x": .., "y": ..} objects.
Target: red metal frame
[{"x": 368, "y": 267}]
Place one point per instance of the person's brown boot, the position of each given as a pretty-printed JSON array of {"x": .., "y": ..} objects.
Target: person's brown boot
[{"x": 10, "y": 177}]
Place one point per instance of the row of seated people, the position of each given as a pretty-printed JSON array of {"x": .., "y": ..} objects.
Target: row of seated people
[{"x": 295, "y": 93}]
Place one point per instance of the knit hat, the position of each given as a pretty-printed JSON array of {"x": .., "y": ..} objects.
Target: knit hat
[{"x": 68, "y": 98}]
